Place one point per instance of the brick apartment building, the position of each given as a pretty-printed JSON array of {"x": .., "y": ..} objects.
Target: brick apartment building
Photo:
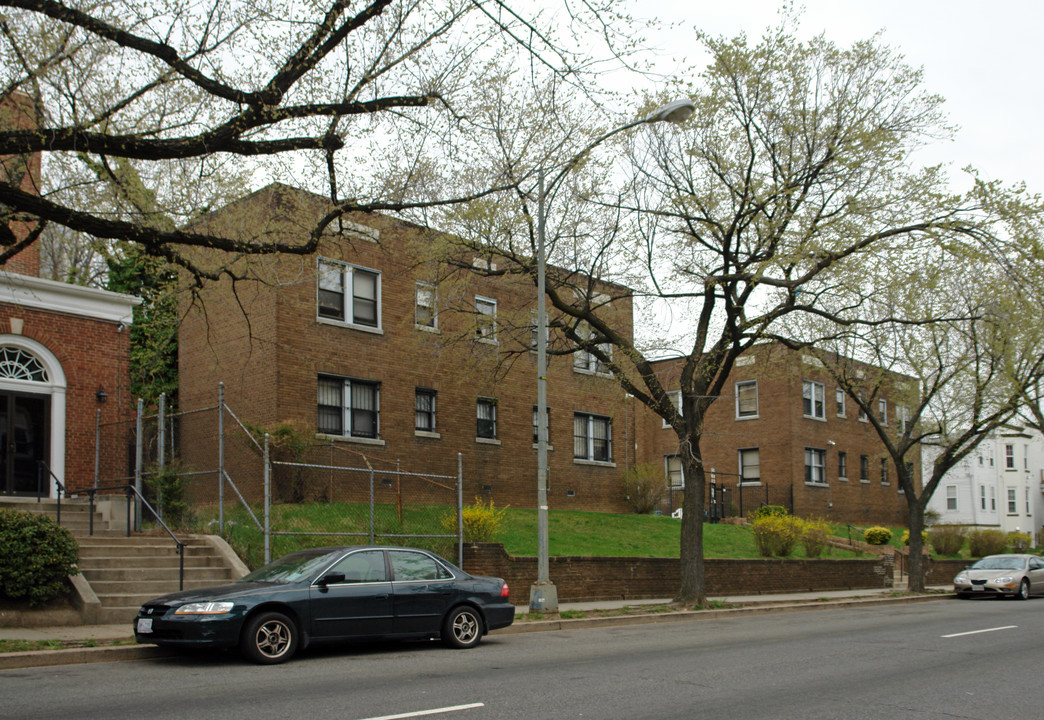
[
  {"x": 787, "y": 435},
  {"x": 380, "y": 352},
  {"x": 64, "y": 355}
]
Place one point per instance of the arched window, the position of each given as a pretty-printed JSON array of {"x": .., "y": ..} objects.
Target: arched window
[{"x": 17, "y": 364}]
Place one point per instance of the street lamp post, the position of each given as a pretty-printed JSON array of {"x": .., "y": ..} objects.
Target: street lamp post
[{"x": 543, "y": 596}]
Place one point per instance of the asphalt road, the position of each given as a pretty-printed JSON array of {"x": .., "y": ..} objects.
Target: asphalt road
[{"x": 945, "y": 659}]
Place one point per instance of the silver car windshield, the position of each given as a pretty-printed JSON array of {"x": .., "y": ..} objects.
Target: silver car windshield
[{"x": 1000, "y": 563}]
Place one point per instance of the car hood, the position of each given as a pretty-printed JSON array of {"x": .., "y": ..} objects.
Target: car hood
[
  {"x": 990, "y": 574},
  {"x": 217, "y": 592}
]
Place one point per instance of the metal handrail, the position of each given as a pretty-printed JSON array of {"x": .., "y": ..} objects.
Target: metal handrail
[
  {"x": 42, "y": 465},
  {"x": 131, "y": 492}
]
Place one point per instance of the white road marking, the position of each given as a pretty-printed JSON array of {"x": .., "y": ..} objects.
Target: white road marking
[
  {"x": 976, "y": 632},
  {"x": 433, "y": 711}
]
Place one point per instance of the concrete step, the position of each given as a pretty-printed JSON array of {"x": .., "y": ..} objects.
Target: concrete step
[
  {"x": 137, "y": 599},
  {"x": 212, "y": 574},
  {"x": 156, "y": 561},
  {"x": 129, "y": 550}
]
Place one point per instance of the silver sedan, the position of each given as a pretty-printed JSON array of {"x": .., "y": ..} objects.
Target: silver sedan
[{"x": 1014, "y": 575}]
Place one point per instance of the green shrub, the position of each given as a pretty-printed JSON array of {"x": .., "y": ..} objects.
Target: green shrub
[
  {"x": 287, "y": 443},
  {"x": 645, "y": 487},
  {"x": 877, "y": 535},
  {"x": 814, "y": 536},
  {"x": 776, "y": 536},
  {"x": 947, "y": 539},
  {"x": 1019, "y": 541},
  {"x": 906, "y": 537},
  {"x": 38, "y": 556},
  {"x": 481, "y": 522},
  {"x": 167, "y": 492},
  {"x": 987, "y": 542},
  {"x": 767, "y": 511}
]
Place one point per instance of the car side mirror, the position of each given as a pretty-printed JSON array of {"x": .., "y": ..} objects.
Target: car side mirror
[{"x": 332, "y": 578}]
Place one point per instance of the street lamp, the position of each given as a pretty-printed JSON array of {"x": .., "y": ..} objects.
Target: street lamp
[{"x": 543, "y": 596}]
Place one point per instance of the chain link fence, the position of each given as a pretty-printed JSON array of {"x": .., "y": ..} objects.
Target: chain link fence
[{"x": 268, "y": 494}]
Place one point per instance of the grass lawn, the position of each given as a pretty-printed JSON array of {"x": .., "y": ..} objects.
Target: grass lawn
[{"x": 570, "y": 532}]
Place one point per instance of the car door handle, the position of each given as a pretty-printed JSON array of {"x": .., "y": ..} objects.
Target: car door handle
[{"x": 381, "y": 597}]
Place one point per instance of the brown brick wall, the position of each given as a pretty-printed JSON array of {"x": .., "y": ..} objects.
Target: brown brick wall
[
  {"x": 92, "y": 353},
  {"x": 781, "y": 433},
  {"x": 582, "y": 579},
  {"x": 269, "y": 355},
  {"x": 17, "y": 112}
]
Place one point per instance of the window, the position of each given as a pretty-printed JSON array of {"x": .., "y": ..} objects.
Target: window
[
  {"x": 993, "y": 499},
  {"x": 750, "y": 465},
  {"x": 982, "y": 496},
  {"x": 951, "y": 497},
  {"x": 884, "y": 471},
  {"x": 486, "y": 319},
  {"x": 486, "y": 414},
  {"x": 676, "y": 401},
  {"x": 425, "y": 314},
  {"x": 360, "y": 567},
  {"x": 747, "y": 399},
  {"x": 675, "y": 473},
  {"x": 1025, "y": 457},
  {"x": 1009, "y": 457},
  {"x": 842, "y": 465},
  {"x": 862, "y": 402},
  {"x": 864, "y": 468},
  {"x": 349, "y": 407},
  {"x": 903, "y": 414},
  {"x": 1027, "y": 501},
  {"x": 592, "y": 437},
  {"x": 815, "y": 466},
  {"x": 407, "y": 565},
  {"x": 882, "y": 410},
  {"x": 585, "y": 361},
  {"x": 1012, "y": 502},
  {"x": 812, "y": 394},
  {"x": 536, "y": 430},
  {"x": 340, "y": 282},
  {"x": 839, "y": 399},
  {"x": 424, "y": 410}
]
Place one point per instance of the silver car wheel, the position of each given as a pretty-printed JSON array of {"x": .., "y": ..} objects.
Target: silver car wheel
[
  {"x": 1024, "y": 590},
  {"x": 462, "y": 628},
  {"x": 269, "y": 638}
]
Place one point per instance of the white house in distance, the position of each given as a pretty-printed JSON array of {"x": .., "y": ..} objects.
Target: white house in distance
[{"x": 1000, "y": 485}]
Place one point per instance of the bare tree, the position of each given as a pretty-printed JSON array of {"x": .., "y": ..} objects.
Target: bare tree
[
  {"x": 795, "y": 165},
  {"x": 188, "y": 102}
]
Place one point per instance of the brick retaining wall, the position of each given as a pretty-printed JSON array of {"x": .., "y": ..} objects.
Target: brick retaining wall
[{"x": 581, "y": 579}]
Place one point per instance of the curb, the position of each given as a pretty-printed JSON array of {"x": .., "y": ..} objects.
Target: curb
[{"x": 123, "y": 653}]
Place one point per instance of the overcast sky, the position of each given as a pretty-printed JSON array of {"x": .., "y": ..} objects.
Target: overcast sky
[{"x": 984, "y": 58}]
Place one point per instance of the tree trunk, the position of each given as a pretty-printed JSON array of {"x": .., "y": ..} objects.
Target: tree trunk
[
  {"x": 693, "y": 588},
  {"x": 915, "y": 523}
]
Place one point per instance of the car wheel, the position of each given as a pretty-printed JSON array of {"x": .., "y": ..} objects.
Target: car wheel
[
  {"x": 1024, "y": 590},
  {"x": 963, "y": 596},
  {"x": 462, "y": 628},
  {"x": 269, "y": 638}
]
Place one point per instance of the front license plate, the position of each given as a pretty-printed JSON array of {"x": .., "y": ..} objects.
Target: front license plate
[
  {"x": 977, "y": 588},
  {"x": 144, "y": 625}
]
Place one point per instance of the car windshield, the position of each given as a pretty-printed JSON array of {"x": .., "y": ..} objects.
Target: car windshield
[
  {"x": 292, "y": 568},
  {"x": 1000, "y": 563}
]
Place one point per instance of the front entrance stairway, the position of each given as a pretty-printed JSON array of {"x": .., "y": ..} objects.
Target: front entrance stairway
[{"x": 119, "y": 573}]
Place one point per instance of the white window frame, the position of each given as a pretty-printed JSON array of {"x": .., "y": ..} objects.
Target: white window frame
[
  {"x": 839, "y": 401},
  {"x": 951, "y": 498},
  {"x": 812, "y": 395},
  {"x": 586, "y": 363},
  {"x": 862, "y": 417},
  {"x": 425, "y": 305},
  {"x": 670, "y": 475},
  {"x": 429, "y": 413},
  {"x": 842, "y": 465},
  {"x": 815, "y": 466},
  {"x": 882, "y": 411},
  {"x": 489, "y": 404},
  {"x": 740, "y": 414},
  {"x": 1009, "y": 457},
  {"x": 676, "y": 400},
  {"x": 347, "y": 274},
  {"x": 348, "y": 409},
  {"x": 587, "y": 422},
  {"x": 743, "y": 456},
  {"x": 884, "y": 471},
  {"x": 536, "y": 429},
  {"x": 486, "y": 319},
  {"x": 1013, "y": 502},
  {"x": 982, "y": 496}
]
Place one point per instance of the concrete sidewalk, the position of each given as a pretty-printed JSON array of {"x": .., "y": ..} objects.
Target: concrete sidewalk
[{"x": 97, "y": 642}]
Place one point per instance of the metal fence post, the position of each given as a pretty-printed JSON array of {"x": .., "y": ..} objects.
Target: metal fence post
[
  {"x": 221, "y": 457},
  {"x": 137, "y": 467},
  {"x": 97, "y": 445},
  {"x": 268, "y": 505},
  {"x": 372, "y": 508},
  {"x": 161, "y": 450},
  {"x": 460, "y": 511}
]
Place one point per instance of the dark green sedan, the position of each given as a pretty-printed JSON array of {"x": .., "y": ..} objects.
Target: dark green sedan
[{"x": 329, "y": 595}]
